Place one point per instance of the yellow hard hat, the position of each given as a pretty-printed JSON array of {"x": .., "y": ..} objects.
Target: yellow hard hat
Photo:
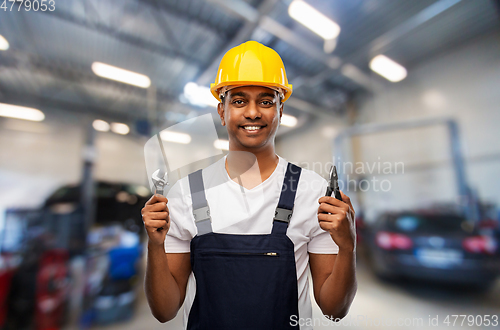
[{"x": 254, "y": 64}]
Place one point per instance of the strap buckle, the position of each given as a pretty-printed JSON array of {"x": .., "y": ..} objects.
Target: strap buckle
[
  {"x": 201, "y": 213},
  {"x": 282, "y": 214}
]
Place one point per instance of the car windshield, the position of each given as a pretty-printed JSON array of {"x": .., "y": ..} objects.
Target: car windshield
[{"x": 428, "y": 223}]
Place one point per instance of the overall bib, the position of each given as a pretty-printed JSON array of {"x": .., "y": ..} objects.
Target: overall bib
[{"x": 244, "y": 281}]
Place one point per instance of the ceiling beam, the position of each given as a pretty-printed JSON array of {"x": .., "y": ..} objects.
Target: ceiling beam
[
  {"x": 72, "y": 73},
  {"x": 42, "y": 103},
  {"x": 348, "y": 70},
  {"x": 280, "y": 31},
  {"x": 243, "y": 34},
  {"x": 245, "y": 11},
  {"x": 383, "y": 43},
  {"x": 241, "y": 9},
  {"x": 162, "y": 23},
  {"x": 127, "y": 38},
  {"x": 64, "y": 73},
  {"x": 169, "y": 7},
  {"x": 253, "y": 19}
]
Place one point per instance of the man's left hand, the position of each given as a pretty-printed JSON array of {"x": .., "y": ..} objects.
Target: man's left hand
[{"x": 337, "y": 217}]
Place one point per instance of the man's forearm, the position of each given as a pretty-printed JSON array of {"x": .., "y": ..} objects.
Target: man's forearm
[
  {"x": 339, "y": 289},
  {"x": 162, "y": 291}
]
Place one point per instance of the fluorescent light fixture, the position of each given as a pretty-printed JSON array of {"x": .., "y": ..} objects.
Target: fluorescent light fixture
[
  {"x": 4, "y": 44},
  {"x": 100, "y": 125},
  {"x": 121, "y": 75},
  {"x": 314, "y": 20},
  {"x": 221, "y": 144},
  {"x": 120, "y": 128},
  {"x": 176, "y": 137},
  {"x": 199, "y": 95},
  {"x": 287, "y": 120},
  {"x": 329, "y": 45},
  {"x": 387, "y": 68},
  {"x": 15, "y": 111}
]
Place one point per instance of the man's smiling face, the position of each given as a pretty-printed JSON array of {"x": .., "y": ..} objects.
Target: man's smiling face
[{"x": 251, "y": 115}]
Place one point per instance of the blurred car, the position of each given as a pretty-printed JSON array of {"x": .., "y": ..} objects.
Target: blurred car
[
  {"x": 114, "y": 203},
  {"x": 432, "y": 246},
  {"x": 43, "y": 240}
]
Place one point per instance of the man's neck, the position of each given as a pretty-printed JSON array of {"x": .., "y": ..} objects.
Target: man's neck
[{"x": 253, "y": 164}]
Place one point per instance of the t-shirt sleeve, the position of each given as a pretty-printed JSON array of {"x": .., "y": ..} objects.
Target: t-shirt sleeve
[
  {"x": 178, "y": 238},
  {"x": 320, "y": 241}
]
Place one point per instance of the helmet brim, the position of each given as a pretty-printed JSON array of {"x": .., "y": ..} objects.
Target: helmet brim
[{"x": 214, "y": 89}]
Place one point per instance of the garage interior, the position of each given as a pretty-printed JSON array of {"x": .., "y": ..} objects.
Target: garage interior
[{"x": 409, "y": 149}]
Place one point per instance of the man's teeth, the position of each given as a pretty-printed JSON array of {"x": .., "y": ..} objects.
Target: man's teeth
[{"x": 251, "y": 128}]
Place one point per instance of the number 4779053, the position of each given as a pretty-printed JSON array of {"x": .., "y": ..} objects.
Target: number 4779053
[{"x": 28, "y": 5}]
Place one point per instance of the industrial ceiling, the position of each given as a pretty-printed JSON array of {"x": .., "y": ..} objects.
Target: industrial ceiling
[{"x": 173, "y": 42}]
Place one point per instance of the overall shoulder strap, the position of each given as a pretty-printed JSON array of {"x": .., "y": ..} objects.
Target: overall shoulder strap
[
  {"x": 284, "y": 211},
  {"x": 201, "y": 211}
]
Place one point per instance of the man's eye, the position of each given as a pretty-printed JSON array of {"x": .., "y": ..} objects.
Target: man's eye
[
  {"x": 266, "y": 102},
  {"x": 239, "y": 102}
]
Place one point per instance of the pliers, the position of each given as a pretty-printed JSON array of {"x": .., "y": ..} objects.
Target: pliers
[{"x": 333, "y": 184}]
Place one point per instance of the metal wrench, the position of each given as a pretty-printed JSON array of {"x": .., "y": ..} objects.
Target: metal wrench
[{"x": 160, "y": 180}]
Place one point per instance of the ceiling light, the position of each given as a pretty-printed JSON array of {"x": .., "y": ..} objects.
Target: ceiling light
[
  {"x": 314, "y": 20},
  {"x": 4, "y": 44},
  {"x": 287, "y": 120},
  {"x": 120, "y": 128},
  {"x": 100, "y": 125},
  {"x": 221, "y": 144},
  {"x": 199, "y": 95},
  {"x": 329, "y": 45},
  {"x": 387, "y": 68},
  {"x": 175, "y": 137},
  {"x": 15, "y": 111},
  {"x": 121, "y": 75}
]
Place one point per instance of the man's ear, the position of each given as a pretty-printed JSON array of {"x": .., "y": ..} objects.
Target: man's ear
[
  {"x": 281, "y": 110},
  {"x": 220, "y": 111}
]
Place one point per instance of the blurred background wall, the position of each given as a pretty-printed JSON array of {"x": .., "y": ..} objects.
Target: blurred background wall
[
  {"x": 458, "y": 83},
  {"x": 461, "y": 83}
]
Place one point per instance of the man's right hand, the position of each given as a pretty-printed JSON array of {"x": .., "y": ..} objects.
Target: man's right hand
[{"x": 155, "y": 215}]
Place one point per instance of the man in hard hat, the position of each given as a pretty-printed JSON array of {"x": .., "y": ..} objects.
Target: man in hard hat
[{"x": 243, "y": 231}]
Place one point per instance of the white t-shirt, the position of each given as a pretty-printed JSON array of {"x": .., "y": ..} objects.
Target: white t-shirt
[{"x": 237, "y": 210}]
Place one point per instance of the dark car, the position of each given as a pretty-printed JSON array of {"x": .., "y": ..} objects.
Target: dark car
[
  {"x": 432, "y": 246},
  {"x": 114, "y": 203}
]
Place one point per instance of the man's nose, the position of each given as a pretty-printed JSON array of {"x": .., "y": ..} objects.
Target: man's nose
[{"x": 252, "y": 111}]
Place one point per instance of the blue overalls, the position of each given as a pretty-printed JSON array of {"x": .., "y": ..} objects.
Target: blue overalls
[{"x": 244, "y": 281}]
